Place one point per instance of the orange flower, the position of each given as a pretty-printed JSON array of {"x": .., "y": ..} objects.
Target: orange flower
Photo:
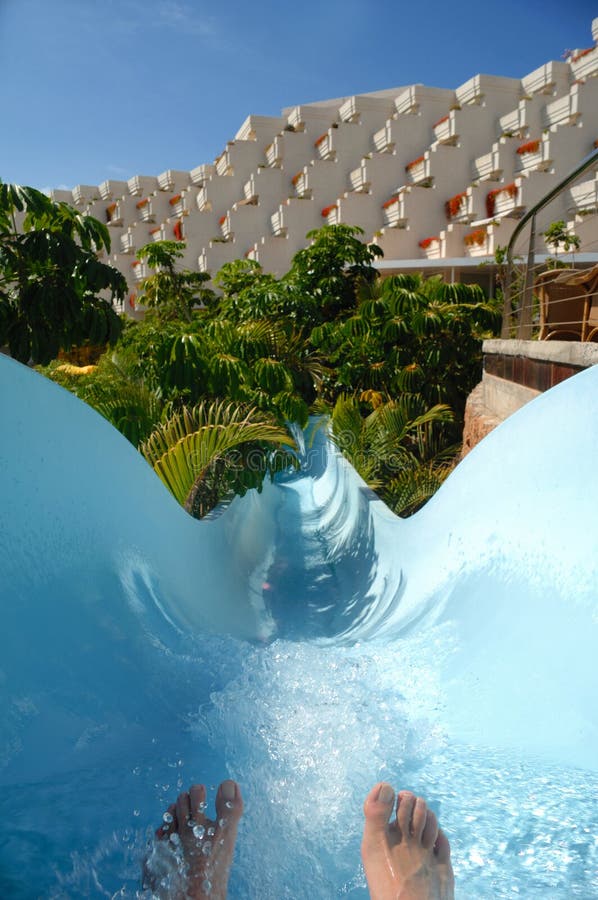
[
  {"x": 475, "y": 238},
  {"x": 142, "y": 203},
  {"x": 178, "y": 231},
  {"x": 222, "y": 220},
  {"x": 428, "y": 241},
  {"x": 414, "y": 163},
  {"x": 582, "y": 53},
  {"x": 441, "y": 121},
  {"x": 390, "y": 202},
  {"x": 453, "y": 205},
  {"x": 295, "y": 178},
  {"x": 174, "y": 200},
  {"x": 327, "y": 210},
  {"x": 530, "y": 147},
  {"x": 321, "y": 139},
  {"x": 510, "y": 189}
]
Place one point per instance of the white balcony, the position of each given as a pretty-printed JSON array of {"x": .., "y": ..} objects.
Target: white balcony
[
  {"x": 142, "y": 184},
  {"x": 324, "y": 146},
  {"x": 258, "y": 127},
  {"x": 110, "y": 190},
  {"x": 277, "y": 223},
  {"x": 431, "y": 247},
  {"x": 479, "y": 242},
  {"x": 63, "y": 196},
  {"x": 173, "y": 180},
  {"x": 178, "y": 205},
  {"x": 546, "y": 79},
  {"x": 419, "y": 171},
  {"x": 225, "y": 226},
  {"x": 127, "y": 242},
  {"x": 202, "y": 200},
  {"x": 114, "y": 214},
  {"x": 158, "y": 233},
  {"x": 140, "y": 270},
  {"x": 534, "y": 156},
  {"x": 584, "y": 63},
  {"x": 331, "y": 214},
  {"x": 85, "y": 193},
  {"x": 200, "y": 174},
  {"x": 274, "y": 153},
  {"x": 300, "y": 182},
  {"x": 459, "y": 208},
  {"x": 446, "y": 129},
  {"x": 583, "y": 198},
  {"x": 487, "y": 167},
  {"x": 564, "y": 111},
  {"x": 514, "y": 124},
  {"x": 358, "y": 179},
  {"x": 223, "y": 163},
  {"x": 383, "y": 140},
  {"x": 505, "y": 201},
  {"x": 393, "y": 211},
  {"x": 146, "y": 211},
  {"x": 414, "y": 98}
]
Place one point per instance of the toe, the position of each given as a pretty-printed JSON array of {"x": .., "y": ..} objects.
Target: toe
[
  {"x": 378, "y": 805},
  {"x": 168, "y": 825},
  {"x": 405, "y": 807},
  {"x": 197, "y": 802},
  {"x": 420, "y": 811},
  {"x": 183, "y": 810},
  {"x": 229, "y": 803},
  {"x": 442, "y": 848},
  {"x": 430, "y": 832}
]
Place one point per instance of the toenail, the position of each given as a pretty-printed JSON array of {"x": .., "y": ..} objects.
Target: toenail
[
  {"x": 229, "y": 790},
  {"x": 386, "y": 794}
]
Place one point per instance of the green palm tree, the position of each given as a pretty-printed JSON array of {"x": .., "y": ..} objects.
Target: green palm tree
[{"x": 204, "y": 453}]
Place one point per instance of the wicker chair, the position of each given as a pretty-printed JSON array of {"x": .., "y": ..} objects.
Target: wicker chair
[{"x": 567, "y": 312}]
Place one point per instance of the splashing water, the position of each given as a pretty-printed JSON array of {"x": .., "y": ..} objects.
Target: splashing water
[{"x": 306, "y": 643}]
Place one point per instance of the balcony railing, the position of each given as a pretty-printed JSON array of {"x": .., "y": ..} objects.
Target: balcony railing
[
  {"x": 488, "y": 167},
  {"x": 584, "y": 197},
  {"x": 278, "y": 225},
  {"x": 142, "y": 184},
  {"x": 534, "y": 156},
  {"x": 111, "y": 190},
  {"x": 324, "y": 146},
  {"x": 274, "y": 153},
  {"x": 127, "y": 242},
  {"x": 358, "y": 179},
  {"x": 584, "y": 64},
  {"x": 418, "y": 171},
  {"x": 564, "y": 111},
  {"x": 393, "y": 211},
  {"x": 383, "y": 140},
  {"x": 545, "y": 79},
  {"x": 201, "y": 174},
  {"x": 85, "y": 193},
  {"x": 446, "y": 129},
  {"x": 300, "y": 182},
  {"x": 514, "y": 124}
]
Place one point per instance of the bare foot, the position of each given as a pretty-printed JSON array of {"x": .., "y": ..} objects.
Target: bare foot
[
  {"x": 408, "y": 858},
  {"x": 194, "y": 854}
]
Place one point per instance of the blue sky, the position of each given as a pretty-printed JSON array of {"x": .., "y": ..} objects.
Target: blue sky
[{"x": 96, "y": 89}]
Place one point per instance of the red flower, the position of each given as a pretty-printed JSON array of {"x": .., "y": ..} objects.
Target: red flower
[
  {"x": 222, "y": 220},
  {"x": 510, "y": 189},
  {"x": 581, "y": 54},
  {"x": 453, "y": 205},
  {"x": 441, "y": 121},
  {"x": 295, "y": 178},
  {"x": 178, "y": 231},
  {"x": 390, "y": 202},
  {"x": 475, "y": 238},
  {"x": 321, "y": 139},
  {"x": 174, "y": 200},
  {"x": 132, "y": 300},
  {"x": 530, "y": 147},
  {"x": 156, "y": 229},
  {"x": 142, "y": 203},
  {"x": 327, "y": 210},
  {"x": 425, "y": 243},
  {"x": 135, "y": 263},
  {"x": 414, "y": 163}
]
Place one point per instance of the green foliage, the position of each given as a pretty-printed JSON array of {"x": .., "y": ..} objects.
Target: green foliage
[
  {"x": 51, "y": 278},
  {"x": 203, "y": 454},
  {"x": 172, "y": 294},
  {"x": 557, "y": 234}
]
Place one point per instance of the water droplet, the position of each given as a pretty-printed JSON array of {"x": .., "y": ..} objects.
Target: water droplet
[
  {"x": 165, "y": 828},
  {"x": 198, "y": 831},
  {"x": 136, "y": 812},
  {"x": 206, "y": 886},
  {"x": 203, "y": 806},
  {"x": 167, "y": 817},
  {"x": 229, "y": 804},
  {"x": 211, "y": 832},
  {"x": 175, "y": 838},
  {"x": 190, "y": 822},
  {"x": 221, "y": 823},
  {"x": 207, "y": 848},
  {"x": 136, "y": 770}
]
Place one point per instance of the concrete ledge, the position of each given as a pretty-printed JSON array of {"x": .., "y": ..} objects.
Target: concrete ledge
[
  {"x": 501, "y": 398},
  {"x": 569, "y": 353}
]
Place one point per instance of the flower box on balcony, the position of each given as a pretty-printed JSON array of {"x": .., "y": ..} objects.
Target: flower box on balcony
[
  {"x": 431, "y": 247},
  {"x": 456, "y": 207},
  {"x": 476, "y": 242},
  {"x": 155, "y": 230},
  {"x": 394, "y": 211},
  {"x": 418, "y": 171},
  {"x": 178, "y": 231},
  {"x": 502, "y": 200},
  {"x": 324, "y": 146},
  {"x": 585, "y": 63},
  {"x": 141, "y": 203},
  {"x": 534, "y": 156},
  {"x": 330, "y": 213},
  {"x": 111, "y": 217},
  {"x": 445, "y": 130}
]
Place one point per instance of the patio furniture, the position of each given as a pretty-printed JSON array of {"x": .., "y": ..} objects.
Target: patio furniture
[{"x": 568, "y": 304}]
